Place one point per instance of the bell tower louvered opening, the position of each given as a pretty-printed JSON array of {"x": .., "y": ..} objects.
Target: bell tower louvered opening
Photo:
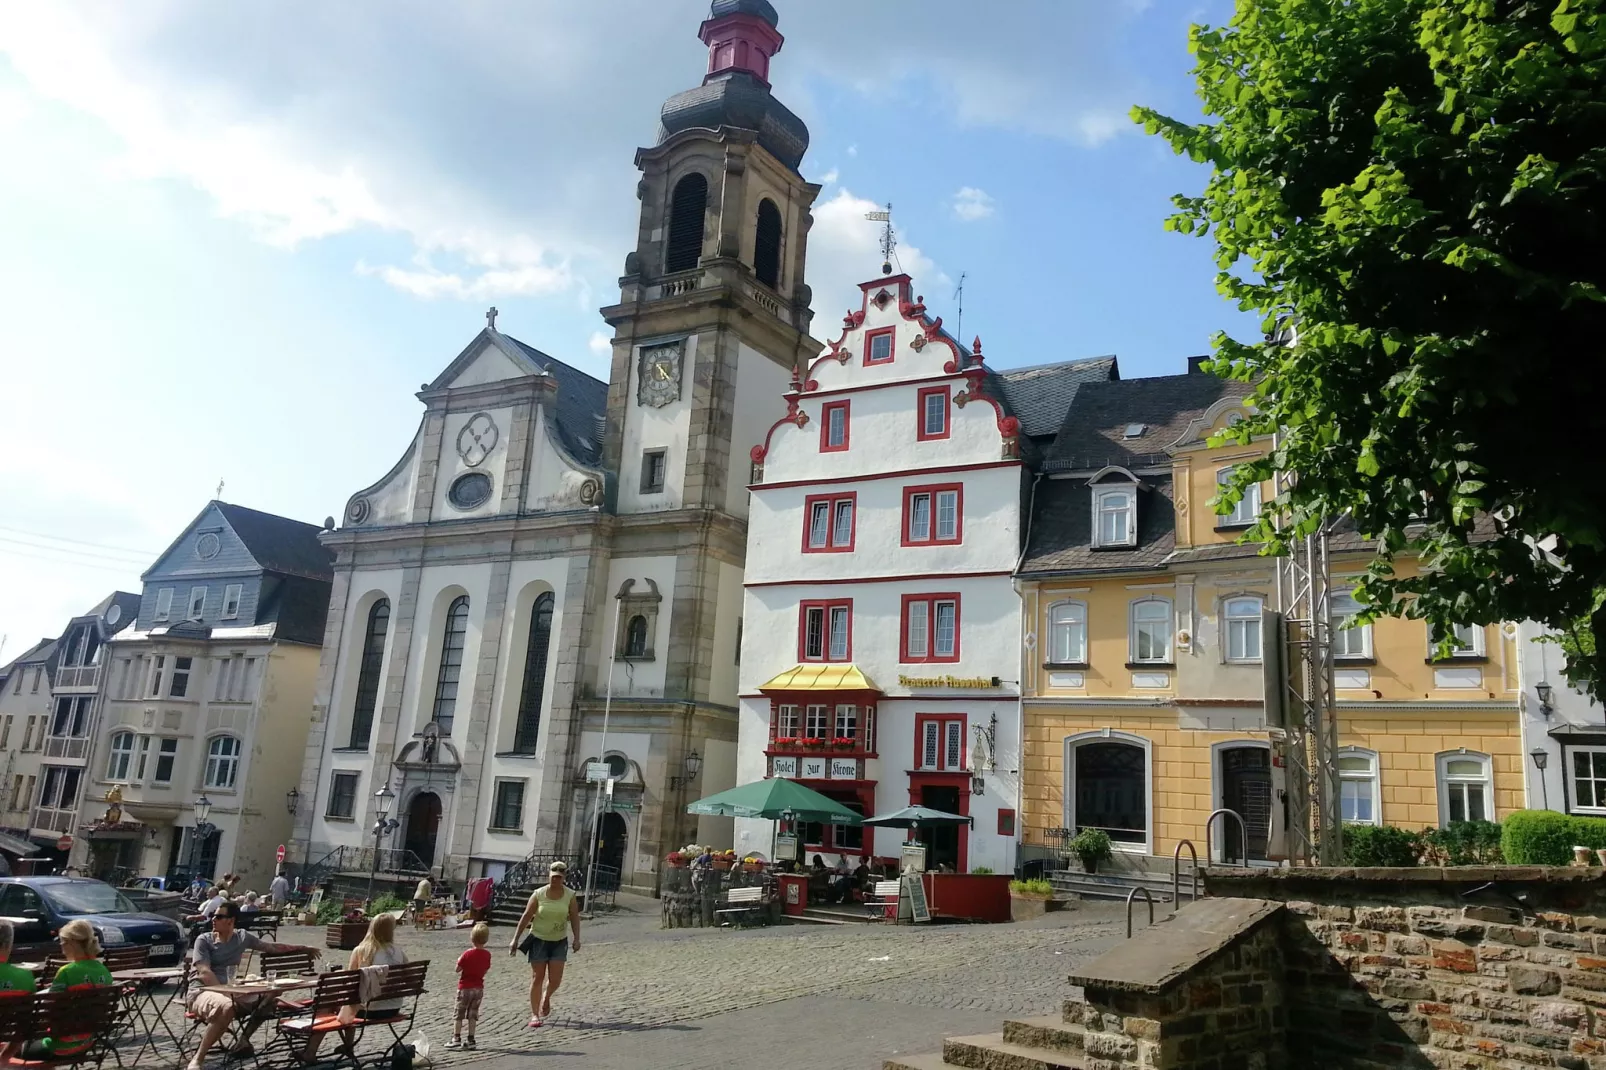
[
  {"x": 767, "y": 245},
  {"x": 687, "y": 208}
]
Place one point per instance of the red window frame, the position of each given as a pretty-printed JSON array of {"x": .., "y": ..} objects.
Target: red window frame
[
  {"x": 825, "y": 426},
  {"x": 930, "y": 656},
  {"x": 889, "y": 333},
  {"x": 832, "y": 501},
  {"x": 1006, "y": 822},
  {"x": 825, "y": 608},
  {"x": 947, "y": 413},
  {"x": 932, "y": 489},
  {"x": 923, "y": 719}
]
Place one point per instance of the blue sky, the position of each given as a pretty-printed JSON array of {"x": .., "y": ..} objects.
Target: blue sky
[{"x": 236, "y": 238}]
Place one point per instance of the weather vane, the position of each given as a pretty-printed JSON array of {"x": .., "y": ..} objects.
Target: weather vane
[{"x": 889, "y": 238}]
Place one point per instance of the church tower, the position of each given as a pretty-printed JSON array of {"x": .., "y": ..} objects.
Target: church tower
[{"x": 713, "y": 309}]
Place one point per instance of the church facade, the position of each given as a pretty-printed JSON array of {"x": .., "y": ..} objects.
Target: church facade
[{"x": 551, "y": 575}]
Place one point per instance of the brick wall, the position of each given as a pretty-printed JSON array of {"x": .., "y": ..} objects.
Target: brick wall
[
  {"x": 1459, "y": 968},
  {"x": 1227, "y": 1012}
]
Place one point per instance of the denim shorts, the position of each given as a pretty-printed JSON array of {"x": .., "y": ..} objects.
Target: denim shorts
[{"x": 549, "y": 951}]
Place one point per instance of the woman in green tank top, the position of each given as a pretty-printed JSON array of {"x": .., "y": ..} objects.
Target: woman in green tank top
[{"x": 552, "y": 909}]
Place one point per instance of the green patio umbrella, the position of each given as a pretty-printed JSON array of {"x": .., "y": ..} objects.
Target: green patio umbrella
[
  {"x": 915, "y": 816},
  {"x": 774, "y": 799}
]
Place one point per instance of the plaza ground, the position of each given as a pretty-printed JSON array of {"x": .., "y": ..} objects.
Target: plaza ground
[{"x": 822, "y": 997}]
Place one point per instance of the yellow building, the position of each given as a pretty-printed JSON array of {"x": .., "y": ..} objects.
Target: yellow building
[{"x": 1142, "y": 690}]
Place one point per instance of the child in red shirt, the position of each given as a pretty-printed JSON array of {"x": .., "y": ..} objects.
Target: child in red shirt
[{"x": 472, "y": 966}]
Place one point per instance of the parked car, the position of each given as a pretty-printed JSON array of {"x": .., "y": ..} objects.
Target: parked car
[
  {"x": 38, "y": 907},
  {"x": 155, "y": 884}
]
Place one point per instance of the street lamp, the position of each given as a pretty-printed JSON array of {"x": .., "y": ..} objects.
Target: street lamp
[
  {"x": 384, "y": 799},
  {"x": 1544, "y": 691},
  {"x": 291, "y": 799},
  {"x": 1541, "y": 759},
  {"x": 201, "y": 833},
  {"x": 694, "y": 762}
]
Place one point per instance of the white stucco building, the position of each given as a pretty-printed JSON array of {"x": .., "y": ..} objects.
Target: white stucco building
[
  {"x": 1563, "y": 728},
  {"x": 881, "y": 644}
]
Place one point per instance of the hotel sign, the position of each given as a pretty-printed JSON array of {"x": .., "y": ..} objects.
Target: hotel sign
[
  {"x": 783, "y": 767},
  {"x": 844, "y": 769},
  {"x": 956, "y": 682}
]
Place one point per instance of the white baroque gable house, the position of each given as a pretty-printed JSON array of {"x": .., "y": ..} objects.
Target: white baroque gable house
[
  {"x": 549, "y": 540},
  {"x": 881, "y": 653}
]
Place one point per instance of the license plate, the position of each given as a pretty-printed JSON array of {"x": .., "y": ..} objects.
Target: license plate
[{"x": 161, "y": 949}]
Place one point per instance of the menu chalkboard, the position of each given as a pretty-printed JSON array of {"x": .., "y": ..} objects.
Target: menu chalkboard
[{"x": 914, "y": 890}]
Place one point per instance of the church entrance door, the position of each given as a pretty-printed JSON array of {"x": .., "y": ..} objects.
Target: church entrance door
[{"x": 423, "y": 822}]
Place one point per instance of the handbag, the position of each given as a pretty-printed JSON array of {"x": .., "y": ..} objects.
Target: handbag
[{"x": 527, "y": 944}]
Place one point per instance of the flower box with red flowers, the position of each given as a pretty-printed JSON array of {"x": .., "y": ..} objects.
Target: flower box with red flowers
[{"x": 844, "y": 741}]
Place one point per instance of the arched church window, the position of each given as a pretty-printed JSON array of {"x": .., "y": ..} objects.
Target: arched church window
[
  {"x": 373, "y": 657},
  {"x": 687, "y": 207},
  {"x": 535, "y": 655},
  {"x": 636, "y": 637},
  {"x": 767, "y": 245},
  {"x": 451, "y": 668}
]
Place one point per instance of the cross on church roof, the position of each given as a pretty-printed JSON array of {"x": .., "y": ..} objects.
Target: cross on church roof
[{"x": 490, "y": 318}]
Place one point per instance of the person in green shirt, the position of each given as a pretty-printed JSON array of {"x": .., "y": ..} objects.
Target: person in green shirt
[
  {"x": 81, "y": 949},
  {"x": 13, "y": 979},
  {"x": 552, "y": 909}
]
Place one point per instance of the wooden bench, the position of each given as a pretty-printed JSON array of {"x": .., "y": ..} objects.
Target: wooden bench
[
  {"x": 262, "y": 922},
  {"x": 741, "y": 903},
  {"x": 882, "y": 902}
]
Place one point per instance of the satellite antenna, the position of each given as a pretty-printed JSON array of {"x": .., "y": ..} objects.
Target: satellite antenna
[{"x": 889, "y": 238}]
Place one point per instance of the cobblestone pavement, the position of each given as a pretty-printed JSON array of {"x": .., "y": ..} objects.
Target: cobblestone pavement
[{"x": 829, "y": 997}]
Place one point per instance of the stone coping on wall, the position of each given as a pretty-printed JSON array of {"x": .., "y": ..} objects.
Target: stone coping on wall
[
  {"x": 1226, "y": 877},
  {"x": 1175, "y": 947}
]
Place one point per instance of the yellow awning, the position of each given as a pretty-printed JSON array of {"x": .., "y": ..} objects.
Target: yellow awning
[{"x": 839, "y": 676}]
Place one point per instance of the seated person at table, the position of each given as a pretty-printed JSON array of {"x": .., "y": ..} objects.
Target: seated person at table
[
  {"x": 250, "y": 906},
  {"x": 378, "y": 948},
  {"x": 216, "y": 955},
  {"x": 83, "y": 970},
  {"x": 14, "y": 980}
]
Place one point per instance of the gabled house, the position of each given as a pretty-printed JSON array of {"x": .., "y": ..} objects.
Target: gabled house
[{"x": 208, "y": 694}]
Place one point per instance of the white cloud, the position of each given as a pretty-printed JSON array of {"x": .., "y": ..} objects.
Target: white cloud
[
  {"x": 600, "y": 344},
  {"x": 829, "y": 178},
  {"x": 845, "y": 250},
  {"x": 853, "y": 150},
  {"x": 971, "y": 204}
]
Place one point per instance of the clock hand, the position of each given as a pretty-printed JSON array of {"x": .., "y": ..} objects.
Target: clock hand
[{"x": 663, "y": 372}]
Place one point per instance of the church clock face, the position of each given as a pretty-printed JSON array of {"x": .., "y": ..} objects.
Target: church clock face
[{"x": 660, "y": 370}]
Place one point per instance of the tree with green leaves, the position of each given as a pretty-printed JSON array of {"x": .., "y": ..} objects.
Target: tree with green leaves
[{"x": 1413, "y": 194}]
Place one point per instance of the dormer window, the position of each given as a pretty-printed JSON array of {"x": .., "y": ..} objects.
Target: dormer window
[{"x": 1115, "y": 516}]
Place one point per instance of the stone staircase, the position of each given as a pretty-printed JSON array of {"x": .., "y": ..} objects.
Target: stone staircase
[{"x": 1076, "y": 1039}]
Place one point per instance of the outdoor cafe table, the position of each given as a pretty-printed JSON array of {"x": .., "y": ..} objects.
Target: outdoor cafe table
[
  {"x": 260, "y": 999},
  {"x": 144, "y": 1005}
]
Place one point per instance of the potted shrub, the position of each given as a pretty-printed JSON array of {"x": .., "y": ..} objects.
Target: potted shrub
[
  {"x": 1031, "y": 899},
  {"x": 1091, "y": 846}
]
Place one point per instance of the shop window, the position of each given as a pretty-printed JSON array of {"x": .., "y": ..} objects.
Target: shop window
[
  {"x": 830, "y": 523},
  {"x": 1587, "y": 769},
  {"x": 1067, "y": 633},
  {"x": 1465, "y": 791},
  {"x": 825, "y": 631},
  {"x": 1357, "y": 787},
  {"x": 1108, "y": 786}
]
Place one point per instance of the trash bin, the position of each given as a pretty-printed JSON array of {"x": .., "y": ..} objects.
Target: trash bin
[{"x": 794, "y": 892}]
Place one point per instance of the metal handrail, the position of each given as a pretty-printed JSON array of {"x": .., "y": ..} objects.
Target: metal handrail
[
  {"x": 1176, "y": 874},
  {"x": 1243, "y": 834},
  {"x": 1130, "y": 898}
]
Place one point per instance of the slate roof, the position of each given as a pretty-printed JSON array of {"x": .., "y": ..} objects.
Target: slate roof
[
  {"x": 762, "y": 8},
  {"x": 1041, "y": 395},
  {"x": 737, "y": 98},
  {"x": 280, "y": 544},
  {"x": 43, "y": 650},
  {"x": 1062, "y": 530},
  {"x": 1093, "y": 433},
  {"x": 582, "y": 403}
]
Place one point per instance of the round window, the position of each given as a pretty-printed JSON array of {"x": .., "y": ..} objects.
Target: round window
[
  {"x": 470, "y": 491},
  {"x": 208, "y": 545}
]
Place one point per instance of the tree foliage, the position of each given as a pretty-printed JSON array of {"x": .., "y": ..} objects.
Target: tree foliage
[{"x": 1417, "y": 187}]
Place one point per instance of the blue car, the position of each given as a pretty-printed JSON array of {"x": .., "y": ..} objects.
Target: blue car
[{"x": 37, "y": 908}]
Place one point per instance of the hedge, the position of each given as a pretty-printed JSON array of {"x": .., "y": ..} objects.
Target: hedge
[
  {"x": 1546, "y": 838},
  {"x": 1461, "y": 843}
]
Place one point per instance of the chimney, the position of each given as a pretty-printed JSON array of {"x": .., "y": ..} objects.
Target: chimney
[{"x": 1196, "y": 365}]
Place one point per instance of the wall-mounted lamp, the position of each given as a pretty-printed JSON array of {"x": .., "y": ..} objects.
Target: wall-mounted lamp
[
  {"x": 978, "y": 784},
  {"x": 694, "y": 762},
  {"x": 292, "y": 799},
  {"x": 1545, "y": 693},
  {"x": 1541, "y": 759}
]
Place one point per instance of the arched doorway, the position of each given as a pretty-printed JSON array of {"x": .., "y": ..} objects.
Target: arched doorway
[
  {"x": 610, "y": 852},
  {"x": 1107, "y": 786},
  {"x": 1246, "y": 790},
  {"x": 423, "y": 821}
]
